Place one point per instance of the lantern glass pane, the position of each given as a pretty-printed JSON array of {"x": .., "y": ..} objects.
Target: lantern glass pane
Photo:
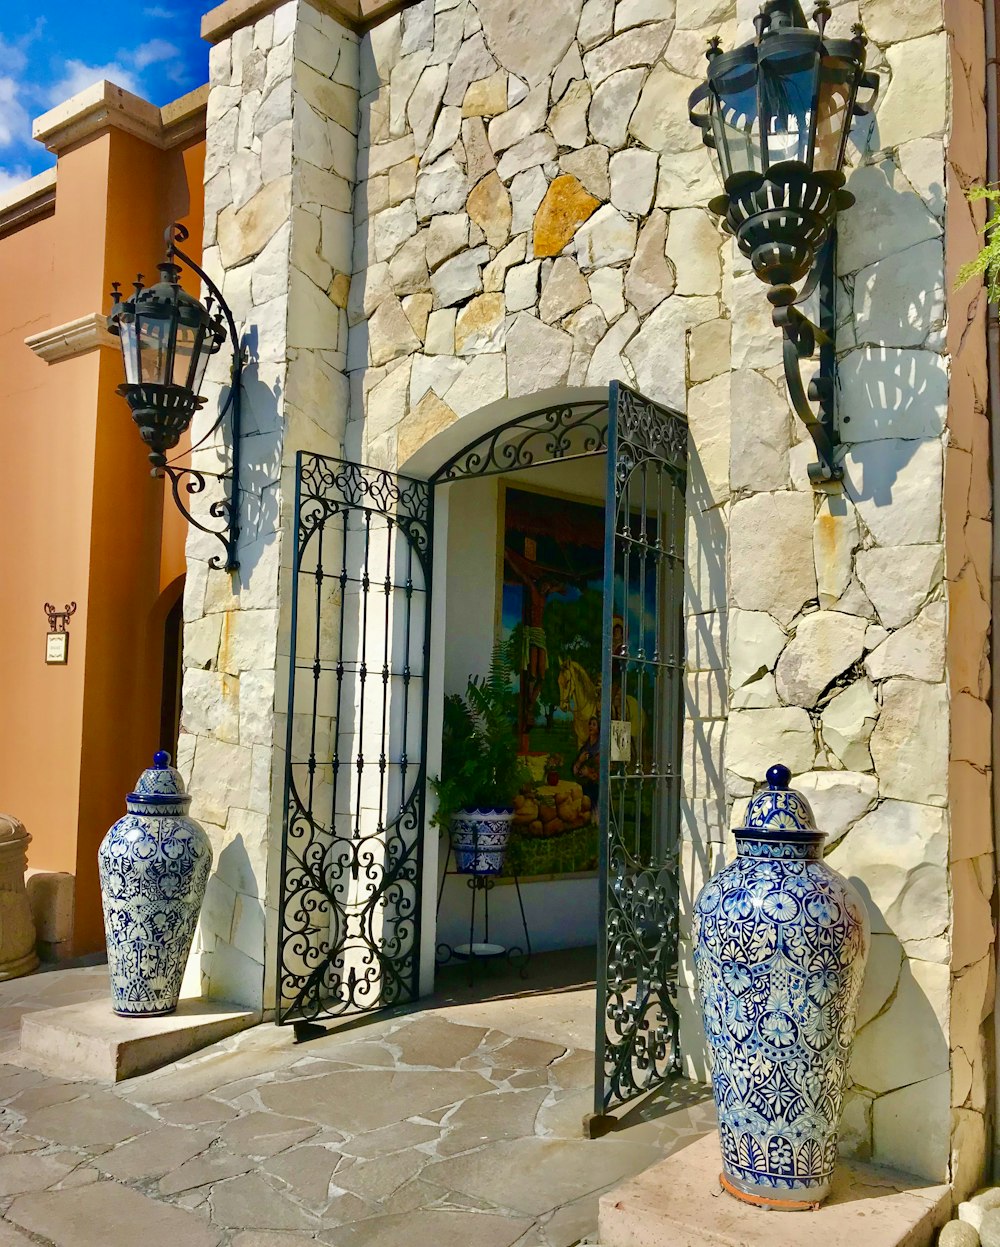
[
  {"x": 184, "y": 348},
  {"x": 788, "y": 91},
  {"x": 154, "y": 342},
  {"x": 834, "y": 112},
  {"x": 204, "y": 353},
  {"x": 130, "y": 350},
  {"x": 734, "y": 121}
]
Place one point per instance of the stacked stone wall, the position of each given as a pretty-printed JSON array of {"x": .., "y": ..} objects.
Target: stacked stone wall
[
  {"x": 859, "y": 615},
  {"x": 527, "y": 211},
  {"x": 530, "y": 217},
  {"x": 279, "y": 180}
]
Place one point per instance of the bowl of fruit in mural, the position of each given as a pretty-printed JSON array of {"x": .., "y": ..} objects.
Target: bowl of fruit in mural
[
  {"x": 554, "y": 831},
  {"x": 544, "y": 810}
]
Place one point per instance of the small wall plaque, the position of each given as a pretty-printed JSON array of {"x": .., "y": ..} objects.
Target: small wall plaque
[
  {"x": 621, "y": 740},
  {"x": 57, "y": 641},
  {"x": 57, "y": 647}
]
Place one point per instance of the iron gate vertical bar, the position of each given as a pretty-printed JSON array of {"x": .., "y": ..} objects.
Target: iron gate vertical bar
[
  {"x": 604, "y": 790},
  {"x": 637, "y": 1024},
  {"x": 424, "y": 781},
  {"x": 279, "y": 1012}
]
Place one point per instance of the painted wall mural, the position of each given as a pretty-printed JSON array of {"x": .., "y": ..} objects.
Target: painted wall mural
[{"x": 551, "y": 604}]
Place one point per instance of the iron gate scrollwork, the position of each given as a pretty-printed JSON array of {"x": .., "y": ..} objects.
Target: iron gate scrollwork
[
  {"x": 641, "y": 720},
  {"x": 349, "y": 911}
]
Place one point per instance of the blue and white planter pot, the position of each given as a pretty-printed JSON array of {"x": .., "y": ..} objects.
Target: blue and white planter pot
[
  {"x": 780, "y": 944},
  {"x": 479, "y": 839},
  {"x": 153, "y": 866}
]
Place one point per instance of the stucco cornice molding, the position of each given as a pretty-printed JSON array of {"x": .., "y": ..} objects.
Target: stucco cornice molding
[
  {"x": 75, "y": 337},
  {"x": 106, "y": 106},
  {"x": 359, "y": 15},
  {"x": 26, "y": 202}
]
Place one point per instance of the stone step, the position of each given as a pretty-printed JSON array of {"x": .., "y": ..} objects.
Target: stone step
[
  {"x": 89, "y": 1041},
  {"x": 679, "y": 1201}
]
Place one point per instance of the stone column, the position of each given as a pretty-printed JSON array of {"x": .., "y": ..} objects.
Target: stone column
[
  {"x": 280, "y": 165},
  {"x": 845, "y": 602},
  {"x": 17, "y": 928}
]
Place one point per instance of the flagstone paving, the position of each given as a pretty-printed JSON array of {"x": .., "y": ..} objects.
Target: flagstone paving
[{"x": 452, "y": 1126}]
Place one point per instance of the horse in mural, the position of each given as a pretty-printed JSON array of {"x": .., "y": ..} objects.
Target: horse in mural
[
  {"x": 581, "y": 696},
  {"x": 578, "y": 694}
]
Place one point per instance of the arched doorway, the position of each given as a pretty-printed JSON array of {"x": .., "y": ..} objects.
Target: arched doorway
[{"x": 368, "y": 650}]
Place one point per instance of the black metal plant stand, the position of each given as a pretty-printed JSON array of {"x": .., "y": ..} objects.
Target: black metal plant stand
[{"x": 482, "y": 950}]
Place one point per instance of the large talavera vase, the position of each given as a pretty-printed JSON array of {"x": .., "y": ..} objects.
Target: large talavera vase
[
  {"x": 780, "y": 943},
  {"x": 154, "y": 866}
]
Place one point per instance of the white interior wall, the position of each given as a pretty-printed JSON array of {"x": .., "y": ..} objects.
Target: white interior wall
[{"x": 560, "y": 913}]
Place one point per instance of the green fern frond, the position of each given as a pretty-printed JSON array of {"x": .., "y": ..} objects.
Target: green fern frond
[{"x": 986, "y": 264}]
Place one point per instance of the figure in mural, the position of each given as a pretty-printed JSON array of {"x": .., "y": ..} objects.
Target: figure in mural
[
  {"x": 587, "y": 766},
  {"x": 538, "y": 583}
]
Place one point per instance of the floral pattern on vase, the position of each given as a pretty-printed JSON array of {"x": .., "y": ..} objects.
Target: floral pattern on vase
[
  {"x": 479, "y": 839},
  {"x": 780, "y": 943},
  {"x": 153, "y": 865}
]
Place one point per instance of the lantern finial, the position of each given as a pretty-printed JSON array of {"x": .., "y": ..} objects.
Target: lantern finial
[{"x": 821, "y": 15}]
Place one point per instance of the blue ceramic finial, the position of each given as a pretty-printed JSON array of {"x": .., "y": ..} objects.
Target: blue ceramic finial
[
  {"x": 778, "y": 776},
  {"x": 161, "y": 760}
]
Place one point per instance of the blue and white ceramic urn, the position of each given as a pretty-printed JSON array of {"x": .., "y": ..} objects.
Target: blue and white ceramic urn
[
  {"x": 780, "y": 943},
  {"x": 153, "y": 866}
]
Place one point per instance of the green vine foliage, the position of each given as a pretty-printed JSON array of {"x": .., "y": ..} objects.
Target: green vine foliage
[
  {"x": 480, "y": 766},
  {"x": 987, "y": 262}
]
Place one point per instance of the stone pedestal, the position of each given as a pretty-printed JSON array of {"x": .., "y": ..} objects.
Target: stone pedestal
[
  {"x": 17, "y": 928},
  {"x": 90, "y": 1041},
  {"x": 680, "y": 1201}
]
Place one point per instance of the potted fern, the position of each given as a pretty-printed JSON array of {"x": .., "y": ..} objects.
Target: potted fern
[{"x": 481, "y": 771}]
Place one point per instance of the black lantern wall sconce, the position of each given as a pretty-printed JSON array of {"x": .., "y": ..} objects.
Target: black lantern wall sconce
[
  {"x": 777, "y": 112},
  {"x": 167, "y": 337}
]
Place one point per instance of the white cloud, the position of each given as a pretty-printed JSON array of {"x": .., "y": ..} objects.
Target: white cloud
[
  {"x": 77, "y": 76},
  {"x": 9, "y": 178},
  {"x": 158, "y": 13},
  {"x": 15, "y": 126},
  {"x": 150, "y": 52}
]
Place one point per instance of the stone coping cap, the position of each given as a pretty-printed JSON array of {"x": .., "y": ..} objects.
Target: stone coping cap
[
  {"x": 359, "y": 15},
  {"x": 72, "y": 338},
  {"x": 106, "y": 105},
  {"x": 31, "y": 199},
  {"x": 12, "y": 830}
]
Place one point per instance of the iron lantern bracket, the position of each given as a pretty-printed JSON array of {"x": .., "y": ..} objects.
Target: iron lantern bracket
[
  {"x": 801, "y": 339},
  {"x": 185, "y": 482}
]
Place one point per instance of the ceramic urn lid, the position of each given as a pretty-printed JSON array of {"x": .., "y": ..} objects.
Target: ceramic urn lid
[
  {"x": 159, "y": 789},
  {"x": 779, "y": 812}
]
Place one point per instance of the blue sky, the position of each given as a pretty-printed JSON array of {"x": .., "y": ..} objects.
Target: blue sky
[{"x": 53, "y": 49}]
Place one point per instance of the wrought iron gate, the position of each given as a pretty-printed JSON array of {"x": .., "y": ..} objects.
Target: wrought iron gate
[
  {"x": 637, "y": 1044},
  {"x": 349, "y": 911}
]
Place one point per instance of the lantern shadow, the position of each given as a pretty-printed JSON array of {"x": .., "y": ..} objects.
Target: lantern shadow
[{"x": 260, "y": 467}]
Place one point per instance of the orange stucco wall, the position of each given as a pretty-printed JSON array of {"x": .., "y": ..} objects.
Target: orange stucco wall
[{"x": 80, "y": 517}]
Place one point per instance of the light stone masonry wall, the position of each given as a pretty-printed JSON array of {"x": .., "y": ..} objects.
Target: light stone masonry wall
[
  {"x": 530, "y": 217},
  {"x": 280, "y": 164},
  {"x": 840, "y": 600},
  {"x": 527, "y": 210}
]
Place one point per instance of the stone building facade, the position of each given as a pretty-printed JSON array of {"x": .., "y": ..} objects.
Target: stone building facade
[{"x": 471, "y": 202}]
